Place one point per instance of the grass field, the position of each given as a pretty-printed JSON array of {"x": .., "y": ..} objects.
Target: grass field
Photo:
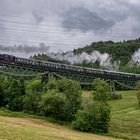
[
  {"x": 125, "y": 116},
  {"x": 125, "y": 123},
  {"x": 27, "y": 128},
  {"x": 125, "y": 119}
]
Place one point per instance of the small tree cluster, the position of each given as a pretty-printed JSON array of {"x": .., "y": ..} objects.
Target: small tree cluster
[
  {"x": 95, "y": 115},
  {"x": 54, "y": 105},
  {"x": 11, "y": 93},
  {"x": 101, "y": 90},
  {"x": 62, "y": 99},
  {"x": 95, "y": 118},
  {"x": 32, "y": 97}
]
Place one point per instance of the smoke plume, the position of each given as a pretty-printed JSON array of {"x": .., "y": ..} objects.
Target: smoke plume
[
  {"x": 25, "y": 48},
  {"x": 103, "y": 59},
  {"x": 136, "y": 57}
]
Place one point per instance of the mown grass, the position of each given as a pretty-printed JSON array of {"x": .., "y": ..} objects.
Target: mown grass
[
  {"x": 125, "y": 120},
  {"x": 24, "y": 127},
  {"x": 125, "y": 115}
]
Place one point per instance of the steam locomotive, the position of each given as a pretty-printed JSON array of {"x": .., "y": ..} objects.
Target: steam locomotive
[
  {"x": 4, "y": 58},
  {"x": 63, "y": 68}
]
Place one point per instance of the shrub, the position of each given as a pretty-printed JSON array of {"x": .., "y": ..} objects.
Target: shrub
[
  {"x": 94, "y": 117},
  {"x": 16, "y": 104},
  {"x": 31, "y": 102},
  {"x": 52, "y": 85},
  {"x": 1, "y": 96},
  {"x": 54, "y": 105},
  {"x": 32, "y": 97},
  {"x": 101, "y": 90},
  {"x": 34, "y": 86},
  {"x": 83, "y": 121},
  {"x": 71, "y": 90},
  {"x": 14, "y": 95}
]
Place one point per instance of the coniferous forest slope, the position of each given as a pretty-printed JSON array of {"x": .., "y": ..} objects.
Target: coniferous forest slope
[{"x": 121, "y": 56}]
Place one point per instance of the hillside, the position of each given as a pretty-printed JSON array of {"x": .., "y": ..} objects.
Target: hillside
[
  {"x": 125, "y": 120},
  {"x": 125, "y": 123},
  {"x": 12, "y": 128},
  {"x": 123, "y": 56}
]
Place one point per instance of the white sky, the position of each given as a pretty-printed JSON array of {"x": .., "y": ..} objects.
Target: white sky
[{"x": 67, "y": 24}]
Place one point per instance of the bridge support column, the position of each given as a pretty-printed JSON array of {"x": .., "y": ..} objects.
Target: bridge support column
[
  {"x": 112, "y": 89},
  {"x": 47, "y": 77}
]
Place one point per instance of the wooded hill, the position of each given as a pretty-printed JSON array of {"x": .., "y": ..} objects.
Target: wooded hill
[{"x": 121, "y": 52}]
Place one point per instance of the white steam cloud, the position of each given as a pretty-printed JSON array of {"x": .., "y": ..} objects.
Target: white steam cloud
[
  {"x": 104, "y": 59},
  {"x": 136, "y": 57}
]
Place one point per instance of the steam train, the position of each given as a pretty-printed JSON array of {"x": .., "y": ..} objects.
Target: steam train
[
  {"x": 8, "y": 59},
  {"x": 63, "y": 68}
]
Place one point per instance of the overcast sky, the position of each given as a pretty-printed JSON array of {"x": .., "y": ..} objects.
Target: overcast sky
[{"x": 67, "y": 24}]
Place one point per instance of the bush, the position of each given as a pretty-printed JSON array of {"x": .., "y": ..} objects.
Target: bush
[
  {"x": 16, "y": 104},
  {"x": 1, "y": 96},
  {"x": 31, "y": 102},
  {"x": 71, "y": 90},
  {"x": 83, "y": 121},
  {"x": 14, "y": 95},
  {"x": 94, "y": 117},
  {"x": 32, "y": 97},
  {"x": 52, "y": 85},
  {"x": 34, "y": 86},
  {"x": 101, "y": 90},
  {"x": 54, "y": 105}
]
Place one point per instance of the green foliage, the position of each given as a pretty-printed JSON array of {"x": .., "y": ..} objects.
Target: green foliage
[
  {"x": 130, "y": 68},
  {"x": 52, "y": 85},
  {"x": 34, "y": 86},
  {"x": 94, "y": 117},
  {"x": 95, "y": 114},
  {"x": 83, "y": 121},
  {"x": 71, "y": 90},
  {"x": 54, "y": 105},
  {"x": 101, "y": 90},
  {"x": 120, "y": 52},
  {"x": 32, "y": 97},
  {"x": 1, "y": 96},
  {"x": 31, "y": 102},
  {"x": 3, "y": 89},
  {"x": 14, "y": 94}
]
